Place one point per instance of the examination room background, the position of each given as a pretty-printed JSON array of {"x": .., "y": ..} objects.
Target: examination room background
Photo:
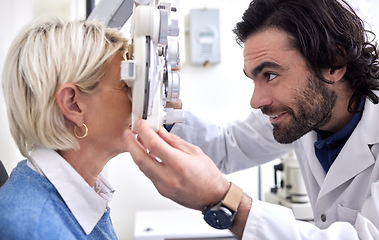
[{"x": 218, "y": 93}]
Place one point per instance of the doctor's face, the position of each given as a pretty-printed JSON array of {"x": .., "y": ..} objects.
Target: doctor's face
[{"x": 284, "y": 89}]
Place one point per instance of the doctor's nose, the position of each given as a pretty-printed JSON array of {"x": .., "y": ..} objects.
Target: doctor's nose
[{"x": 260, "y": 98}]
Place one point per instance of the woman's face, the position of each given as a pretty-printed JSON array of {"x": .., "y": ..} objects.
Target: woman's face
[{"x": 108, "y": 111}]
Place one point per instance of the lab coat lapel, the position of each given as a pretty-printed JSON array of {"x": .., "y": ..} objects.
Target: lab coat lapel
[
  {"x": 314, "y": 165},
  {"x": 356, "y": 155},
  {"x": 348, "y": 164}
]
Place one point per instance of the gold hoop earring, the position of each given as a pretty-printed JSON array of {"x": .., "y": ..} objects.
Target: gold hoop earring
[{"x": 85, "y": 134}]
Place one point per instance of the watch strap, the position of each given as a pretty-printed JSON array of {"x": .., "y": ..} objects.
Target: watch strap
[{"x": 233, "y": 197}]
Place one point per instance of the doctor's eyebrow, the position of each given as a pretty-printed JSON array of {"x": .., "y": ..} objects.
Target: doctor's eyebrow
[{"x": 257, "y": 70}]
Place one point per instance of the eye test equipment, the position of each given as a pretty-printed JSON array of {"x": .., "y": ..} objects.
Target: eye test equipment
[
  {"x": 290, "y": 191},
  {"x": 152, "y": 65}
]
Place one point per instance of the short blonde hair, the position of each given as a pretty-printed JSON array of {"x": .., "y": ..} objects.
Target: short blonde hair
[{"x": 47, "y": 53}]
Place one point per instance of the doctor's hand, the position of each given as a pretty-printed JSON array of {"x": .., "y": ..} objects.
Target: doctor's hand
[
  {"x": 179, "y": 170},
  {"x": 175, "y": 105}
]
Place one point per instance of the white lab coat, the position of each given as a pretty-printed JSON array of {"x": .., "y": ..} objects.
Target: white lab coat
[{"x": 347, "y": 198}]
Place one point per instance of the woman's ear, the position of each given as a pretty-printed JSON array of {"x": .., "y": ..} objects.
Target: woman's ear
[{"x": 67, "y": 99}]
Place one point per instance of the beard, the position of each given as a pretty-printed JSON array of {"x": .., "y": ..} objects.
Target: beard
[{"x": 315, "y": 104}]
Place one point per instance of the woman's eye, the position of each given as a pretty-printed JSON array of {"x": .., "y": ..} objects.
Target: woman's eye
[{"x": 129, "y": 91}]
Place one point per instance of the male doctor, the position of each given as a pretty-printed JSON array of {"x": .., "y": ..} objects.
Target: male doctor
[{"x": 315, "y": 75}]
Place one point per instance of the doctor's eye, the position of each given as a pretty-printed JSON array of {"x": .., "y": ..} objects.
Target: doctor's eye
[{"x": 270, "y": 76}]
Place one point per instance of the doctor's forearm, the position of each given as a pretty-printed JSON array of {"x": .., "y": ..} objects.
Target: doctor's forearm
[{"x": 243, "y": 212}]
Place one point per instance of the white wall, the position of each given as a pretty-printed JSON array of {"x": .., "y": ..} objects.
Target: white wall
[
  {"x": 13, "y": 15},
  {"x": 9, "y": 22},
  {"x": 219, "y": 93},
  {"x": 368, "y": 10}
]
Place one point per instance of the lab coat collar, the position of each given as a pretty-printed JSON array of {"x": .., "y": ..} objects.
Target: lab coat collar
[
  {"x": 87, "y": 204},
  {"x": 318, "y": 172},
  {"x": 357, "y": 147}
]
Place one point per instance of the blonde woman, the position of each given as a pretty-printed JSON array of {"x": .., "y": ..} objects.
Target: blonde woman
[{"x": 67, "y": 111}]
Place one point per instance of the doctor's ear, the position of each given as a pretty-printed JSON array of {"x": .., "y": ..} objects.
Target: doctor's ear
[
  {"x": 67, "y": 98},
  {"x": 334, "y": 75}
]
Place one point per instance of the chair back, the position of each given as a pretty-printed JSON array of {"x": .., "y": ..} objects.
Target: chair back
[{"x": 3, "y": 174}]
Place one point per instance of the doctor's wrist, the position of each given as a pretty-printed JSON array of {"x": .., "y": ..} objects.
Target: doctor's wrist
[
  {"x": 222, "y": 214},
  {"x": 240, "y": 219}
]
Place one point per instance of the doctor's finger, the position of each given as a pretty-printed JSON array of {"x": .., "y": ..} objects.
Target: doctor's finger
[
  {"x": 146, "y": 162},
  {"x": 143, "y": 145},
  {"x": 179, "y": 143},
  {"x": 152, "y": 141}
]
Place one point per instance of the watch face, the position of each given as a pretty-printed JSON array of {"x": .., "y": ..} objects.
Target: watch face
[{"x": 218, "y": 218}]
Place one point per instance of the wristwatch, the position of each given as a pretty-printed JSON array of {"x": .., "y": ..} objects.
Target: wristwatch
[{"x": 221, "y": 215}]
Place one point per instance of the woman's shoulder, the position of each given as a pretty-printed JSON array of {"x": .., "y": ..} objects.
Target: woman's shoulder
[
  {"x": 25, "y": 191},
  {"x": 24, "y": 182},
  {"x": 29, "y": 202}
]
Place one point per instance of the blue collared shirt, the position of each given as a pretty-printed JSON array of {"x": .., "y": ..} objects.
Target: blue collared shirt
[{"x": 329, "y": 145}]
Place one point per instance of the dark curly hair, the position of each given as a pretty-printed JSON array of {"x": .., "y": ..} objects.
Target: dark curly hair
[{"x": 328, "y": 34}]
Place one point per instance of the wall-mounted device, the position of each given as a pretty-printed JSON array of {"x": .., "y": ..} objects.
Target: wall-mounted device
[
  {"x": 151, "y": 69},
  {"x": 205, "y": 36}
]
